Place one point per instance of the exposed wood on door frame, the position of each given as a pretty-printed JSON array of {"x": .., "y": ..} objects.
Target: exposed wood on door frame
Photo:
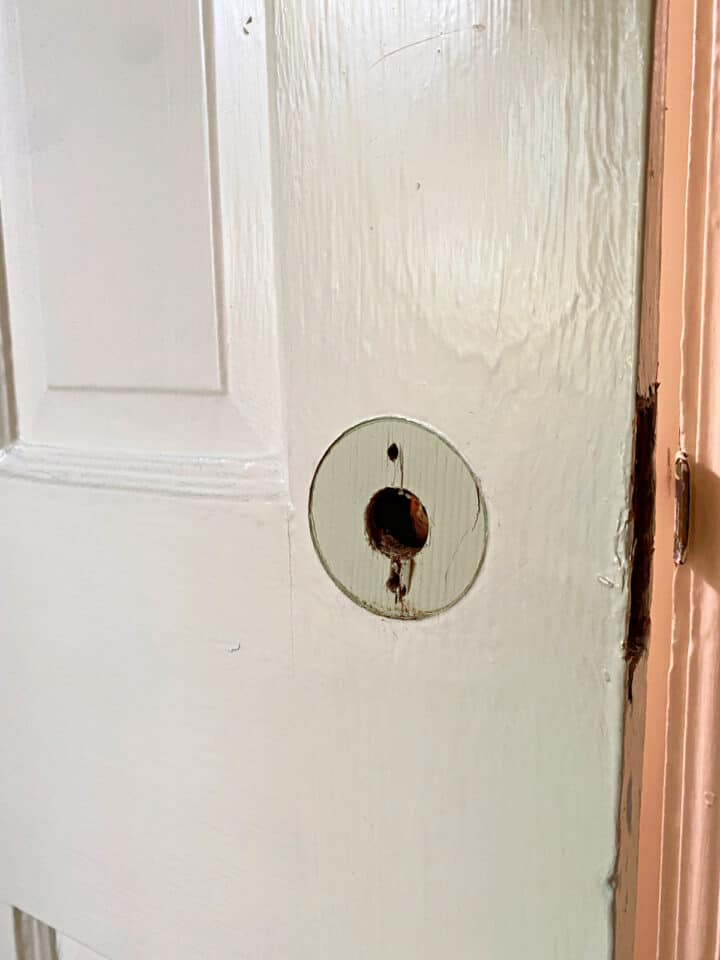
[{"x": 642, "y": 519}]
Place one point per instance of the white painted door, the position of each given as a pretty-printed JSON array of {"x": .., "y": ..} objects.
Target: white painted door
[{"x": 232, "y": 231}]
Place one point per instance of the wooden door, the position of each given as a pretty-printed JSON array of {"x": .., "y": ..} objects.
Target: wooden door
[{"x": 231, "y": 232}]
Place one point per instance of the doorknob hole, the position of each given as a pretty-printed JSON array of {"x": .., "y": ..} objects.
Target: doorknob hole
[{"x": 396, "y": 523}]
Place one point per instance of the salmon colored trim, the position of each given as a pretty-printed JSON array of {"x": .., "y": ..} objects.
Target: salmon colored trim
[
  {"x": 689, "y": 875},
  {"x": 676, "y": 53}
]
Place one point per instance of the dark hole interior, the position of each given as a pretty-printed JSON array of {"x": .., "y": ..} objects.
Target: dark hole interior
[{"x": 396, "y": 523}]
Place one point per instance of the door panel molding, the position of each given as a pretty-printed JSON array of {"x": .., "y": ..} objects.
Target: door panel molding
[
  {"x": 210, "y": 750},
  {"x": 164, "y": 345},
  {"x": 22, "y": 937},
  {"x": 224, "y": 477}
]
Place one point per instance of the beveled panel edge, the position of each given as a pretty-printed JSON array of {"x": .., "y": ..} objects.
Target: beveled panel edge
[
  {"x": 234, "y": 478},
  {"x": 8, "y": 409}
]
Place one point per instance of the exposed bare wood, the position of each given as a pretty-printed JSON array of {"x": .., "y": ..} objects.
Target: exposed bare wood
[{"x": 643, "y": 516}]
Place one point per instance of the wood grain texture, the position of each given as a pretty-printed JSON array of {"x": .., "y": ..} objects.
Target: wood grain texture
[
  {"x": 208, "y": 750},
  {"x": 459, "y": 190}
]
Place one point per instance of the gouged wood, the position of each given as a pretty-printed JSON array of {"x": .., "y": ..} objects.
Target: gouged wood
[{"x": 643, "y": 527}]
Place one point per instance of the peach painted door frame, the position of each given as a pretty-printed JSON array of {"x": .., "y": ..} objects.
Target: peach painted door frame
[{"x": 687, "y": 888}]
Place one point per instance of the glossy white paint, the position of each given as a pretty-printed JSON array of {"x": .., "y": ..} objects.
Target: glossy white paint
[
  {"x": 122, "y": 193},
  {"x": 431, "y": 211}
]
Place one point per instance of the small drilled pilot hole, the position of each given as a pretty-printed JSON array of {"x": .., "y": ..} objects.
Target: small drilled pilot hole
[
  {"x": 393, "y": 452},
  {"x": 396, "y": 523}
]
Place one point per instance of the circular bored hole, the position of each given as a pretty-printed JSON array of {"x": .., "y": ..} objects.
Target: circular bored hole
[{"x": 396, "y": 523}]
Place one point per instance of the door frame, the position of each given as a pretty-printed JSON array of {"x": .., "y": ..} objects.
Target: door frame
[{"x": 678, "y": 912}]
